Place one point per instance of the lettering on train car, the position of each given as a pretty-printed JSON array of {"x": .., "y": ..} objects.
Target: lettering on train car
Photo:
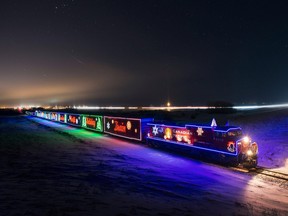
[
  {"x": 123, "y": 127},
  {"x": 54, "y": 116},
  {"x": 92, "y": 122},
  {"x": 119, "y": 128},
  {"x": 62, "y": 117},
  {"x": 74, "y": 119},
  {"x": 170, "y": 133}
]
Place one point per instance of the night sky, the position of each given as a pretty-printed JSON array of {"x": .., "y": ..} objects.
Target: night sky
[{"x": 143, "y": 53}]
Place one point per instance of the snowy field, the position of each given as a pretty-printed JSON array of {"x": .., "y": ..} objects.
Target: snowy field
[
  {"x": 270, "y": 130},
  {"x": 52, "y": 169}
]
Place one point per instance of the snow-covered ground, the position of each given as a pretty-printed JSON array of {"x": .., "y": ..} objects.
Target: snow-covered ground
[
  {"x": 47, "y": 168},
  {"x": 269, "y": 128}
]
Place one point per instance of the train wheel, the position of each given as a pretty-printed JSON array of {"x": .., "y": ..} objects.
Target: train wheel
[{"x": 251, "y": 164}]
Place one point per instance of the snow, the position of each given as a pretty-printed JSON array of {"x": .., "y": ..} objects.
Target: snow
[
  {"x": 49, "y": 168},
  {"x": 269, "y": 129}
]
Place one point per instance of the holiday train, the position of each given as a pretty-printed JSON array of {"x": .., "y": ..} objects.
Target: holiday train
[{"x": 226, "y": 145}]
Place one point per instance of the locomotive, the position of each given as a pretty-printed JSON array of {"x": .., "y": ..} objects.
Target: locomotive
[
  {"x": 225, "y": 144},
  {"x": 218, "y": 144}
]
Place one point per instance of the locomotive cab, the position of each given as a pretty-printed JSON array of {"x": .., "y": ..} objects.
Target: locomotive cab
[{"x": 247, "y": 150}]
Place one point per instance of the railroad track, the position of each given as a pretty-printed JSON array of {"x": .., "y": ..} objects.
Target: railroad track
[
  {"x": 270, "y": 173},
  {"x": 266, "y": 174},
  {"x": 263, "y": 171}
]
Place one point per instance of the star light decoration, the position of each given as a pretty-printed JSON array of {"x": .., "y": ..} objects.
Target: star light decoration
[
  {"x": 200, "y": 131},
  {"x": 155, "y": 130}
]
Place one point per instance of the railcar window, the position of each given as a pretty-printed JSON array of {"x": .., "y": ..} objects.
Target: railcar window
[
  {"x": 220, "y": 134},
  {"x": 235, "y": 133}
]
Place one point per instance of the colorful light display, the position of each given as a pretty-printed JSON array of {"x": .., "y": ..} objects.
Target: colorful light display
[
  {"x": 62, "y": 117},
  {"x": 225, "y": 142},
  {"x": 54, "y": 117},
  {"x": 74, "y": 119},
  {"x": 214, "y": 138},
  {"x": 170, "y": 133},
  {"x": 196, "y": 136},
  {"x": 92, "y": 122},
  {"x": 123, "y": 127}
]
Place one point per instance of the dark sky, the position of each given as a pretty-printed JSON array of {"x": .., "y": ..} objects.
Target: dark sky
[{"x": 143, "y": 52}]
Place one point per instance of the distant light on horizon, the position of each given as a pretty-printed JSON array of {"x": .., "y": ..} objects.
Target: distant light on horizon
[
  {"x": 262, "y": 106},
  {"x": 246, "y": 107},
  {"x": 26, "y": 106},
  {"x": 181, "y": 107},
  {"x": 98, "y": 107}
]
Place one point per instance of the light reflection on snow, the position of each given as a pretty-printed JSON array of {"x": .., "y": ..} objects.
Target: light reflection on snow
[
  {"x": 266, "y": 195},
  {"x": 283, "y": 169}
]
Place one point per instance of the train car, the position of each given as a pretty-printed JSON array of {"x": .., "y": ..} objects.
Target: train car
[
  {"x": 92, "y": 122},
  {"x": 218, "y": 144},
  {"x": 128, "y": 128},
  {"x": 53, "y": 116},
  {"x": 74, "y": 119}
]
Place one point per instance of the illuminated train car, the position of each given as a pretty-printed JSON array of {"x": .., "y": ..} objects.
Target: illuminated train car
[
  {"x": 212, "y": 143},
  {"x": 90, "y": 122},
  {"x": 219, "y": 144},
  {"x": 128, "y": 128}
]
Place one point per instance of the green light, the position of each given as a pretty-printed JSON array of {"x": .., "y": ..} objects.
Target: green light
[
  {"x": 92, "y": 122},
  {"x": 78, "y": 132}
]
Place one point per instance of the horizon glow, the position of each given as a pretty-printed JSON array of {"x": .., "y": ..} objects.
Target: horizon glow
[
  {"x": 169, "y": 108},
  {"x": 247, "y": 107}
]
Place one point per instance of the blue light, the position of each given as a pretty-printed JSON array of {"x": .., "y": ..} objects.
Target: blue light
[
  {"x": 163, "y": 125},
  {"x": 192, "y": 146},
  {"x": 217, "y": 130}
]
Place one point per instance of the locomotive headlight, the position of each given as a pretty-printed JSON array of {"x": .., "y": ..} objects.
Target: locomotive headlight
[
  {"x": 246, "y": 139},
  {"x": 249, "y": 152}
]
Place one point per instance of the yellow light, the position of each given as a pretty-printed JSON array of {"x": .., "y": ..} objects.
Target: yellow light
[
  {"x": 246, "y": 139},
  {"x": 249, "y": 152},
  {"x": 168, "y": 104}
]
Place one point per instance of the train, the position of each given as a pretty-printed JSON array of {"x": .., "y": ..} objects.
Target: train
[{"x": 220, "y": 144}]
